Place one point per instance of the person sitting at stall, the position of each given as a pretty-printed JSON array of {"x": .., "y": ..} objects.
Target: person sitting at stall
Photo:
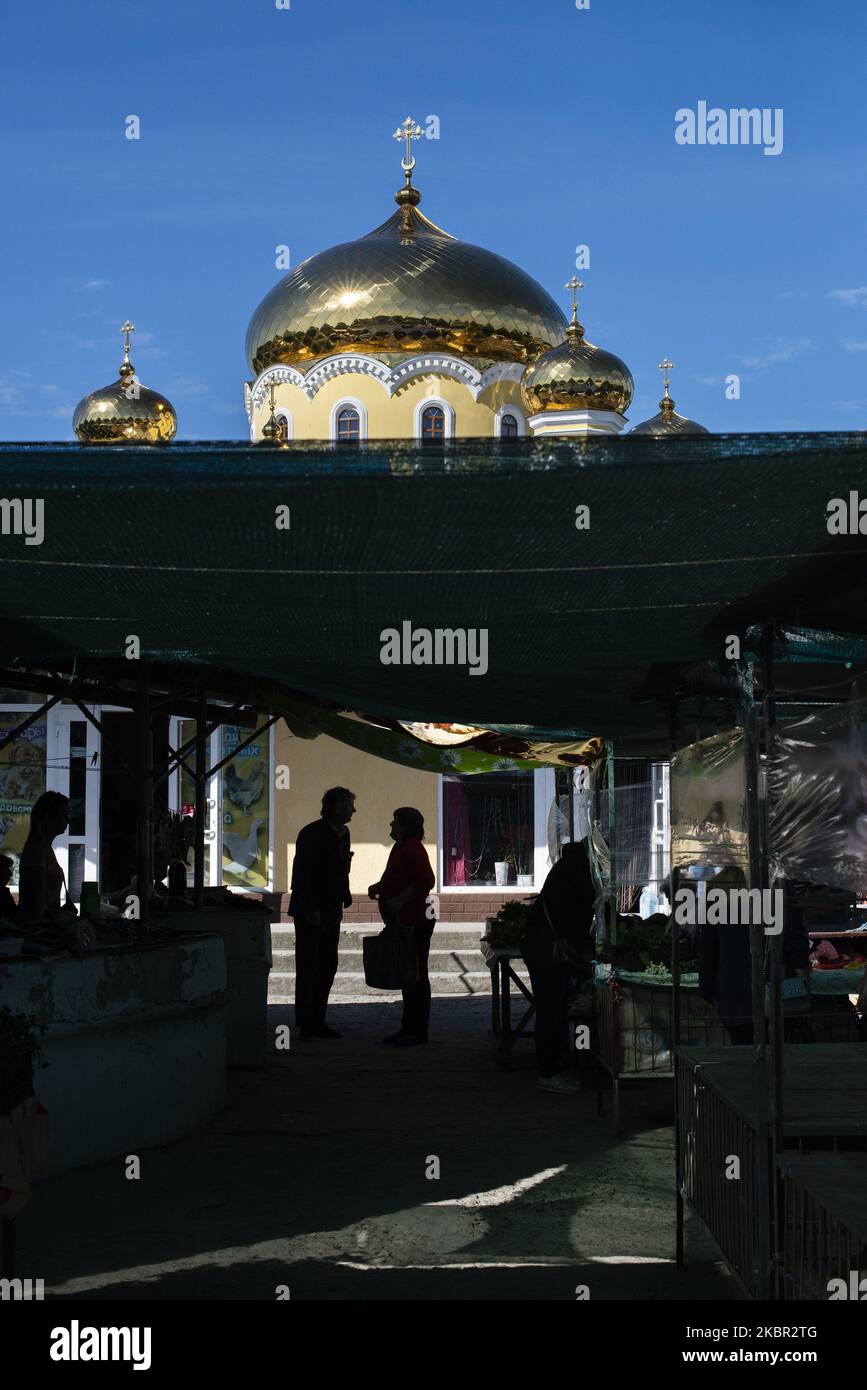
[
  {"x": 557, "y": 943},
  {"x": 41, "y": 883},
  {"x": 8, "y": 905}
]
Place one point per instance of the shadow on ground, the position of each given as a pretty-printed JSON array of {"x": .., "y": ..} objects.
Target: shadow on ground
[{"x": 314, "y": 1179}]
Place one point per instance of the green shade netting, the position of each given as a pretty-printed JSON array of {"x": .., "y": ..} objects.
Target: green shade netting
[{"x": 689, "y": 539}]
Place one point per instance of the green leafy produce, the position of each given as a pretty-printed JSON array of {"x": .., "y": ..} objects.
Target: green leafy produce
[
  {"x": 643, "y": 944},
  {"x": 507, "y": 927}
]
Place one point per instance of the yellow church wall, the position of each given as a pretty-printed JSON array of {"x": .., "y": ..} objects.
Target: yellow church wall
[
  {"x": 389, "y": 417},
  {"x": 380, "y": 786}
]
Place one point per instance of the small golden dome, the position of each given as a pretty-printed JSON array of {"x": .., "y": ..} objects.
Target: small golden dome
[
  {"x": 668, "y": 421},
  {"x": 125, "y": 412},
  {"x": 577, "y": 375},
  {"x": 405, "y": 287}
]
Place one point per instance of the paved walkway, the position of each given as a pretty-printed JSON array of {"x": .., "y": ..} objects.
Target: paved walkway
[{"x": 314, "y": 1178}]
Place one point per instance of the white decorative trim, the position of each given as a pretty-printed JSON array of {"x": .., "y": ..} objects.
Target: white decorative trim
[
  {"x": 436, "y": 364},
  {"x": 448, "y": 412},
  {"x": 277, "y": 374},
  {"x": 519, "y": 415},
  {"x": 351, "y": 362},
  {"x": 348, "y": 403},
  {"x": 570, "y": 422},
  {"x": 501, "y": 371},
  {"x": 248, "y": 404},
  {"x": 392, "y": 379}
]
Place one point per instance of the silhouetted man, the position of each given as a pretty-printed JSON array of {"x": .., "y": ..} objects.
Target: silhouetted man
[{"x": 320, "y": 892}]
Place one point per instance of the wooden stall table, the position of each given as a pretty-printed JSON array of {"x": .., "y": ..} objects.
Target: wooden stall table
[{"x": 503, "y": 1036}]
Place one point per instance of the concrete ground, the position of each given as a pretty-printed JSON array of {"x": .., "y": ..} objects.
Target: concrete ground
[{"x": 314, "y": 1179}]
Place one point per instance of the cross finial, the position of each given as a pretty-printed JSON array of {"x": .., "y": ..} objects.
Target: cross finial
[
  {"x": 574, "y": 285},
  {"x": 665, "y": 367},
  {"x": 408, "y": 131},
  {"x": 576, "y": 330},
  {"x": 126, "y": 367}
]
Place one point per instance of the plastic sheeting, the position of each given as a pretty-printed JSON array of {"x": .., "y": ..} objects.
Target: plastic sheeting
[
  {"x": 817, "y": 787},
  {"x": 708, "y": 802}
]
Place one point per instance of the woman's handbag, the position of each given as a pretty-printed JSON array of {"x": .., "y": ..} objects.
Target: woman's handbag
[{"x": 382, "y": 959}]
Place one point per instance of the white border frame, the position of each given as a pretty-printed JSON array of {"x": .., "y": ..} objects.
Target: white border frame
[
  {"x": 543, "y": 794},
  {"x": 448, "y": 412},
  {"x": 348, "y": 403}
]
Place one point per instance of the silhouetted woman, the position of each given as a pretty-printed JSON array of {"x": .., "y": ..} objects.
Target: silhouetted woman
[
  {"x": 40, "y": 877},
  {"x": 402, "y": 892}
]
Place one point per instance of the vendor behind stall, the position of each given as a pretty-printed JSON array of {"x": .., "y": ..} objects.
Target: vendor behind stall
[
  {"x": 558, "y": 943},
  {"x": 725, "y": 961},
  {"x": 41, "y": 884}
]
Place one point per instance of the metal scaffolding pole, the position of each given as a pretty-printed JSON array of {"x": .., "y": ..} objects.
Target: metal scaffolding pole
[
  {"x": 749, "y": 715},
  {"x": 202, "y": 733},
  {"x": 144, "y": 828}
]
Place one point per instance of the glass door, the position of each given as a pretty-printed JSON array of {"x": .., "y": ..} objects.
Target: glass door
[{"x": 73, "y": 770}]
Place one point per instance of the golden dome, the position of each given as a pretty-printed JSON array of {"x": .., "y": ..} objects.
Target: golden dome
[
  {"x": 125, "y": 412},
  {"x": 405, "y": 287},
  {"x": 577, "y": 375},
  {"x": 668, "y": 421}
]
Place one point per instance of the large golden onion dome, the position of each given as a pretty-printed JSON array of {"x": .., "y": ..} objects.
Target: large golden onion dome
[
  {"x": 125, "y": 412},
  {"x": 405, "y": 287},
  {"x": 668, "y": 421},
  {"x": 577, "y": 375}
]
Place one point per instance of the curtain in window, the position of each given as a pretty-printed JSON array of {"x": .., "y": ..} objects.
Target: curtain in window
[{"x": 456, "y": 833}]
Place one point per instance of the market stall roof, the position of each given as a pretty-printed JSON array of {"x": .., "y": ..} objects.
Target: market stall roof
[{"x": 590, "y": 627}]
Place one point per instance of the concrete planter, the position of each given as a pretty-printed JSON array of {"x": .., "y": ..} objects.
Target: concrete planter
[{"x": 135, "y": 1044}]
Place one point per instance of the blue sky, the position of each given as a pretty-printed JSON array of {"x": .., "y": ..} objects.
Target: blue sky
[{"x": 262, "y": 126}]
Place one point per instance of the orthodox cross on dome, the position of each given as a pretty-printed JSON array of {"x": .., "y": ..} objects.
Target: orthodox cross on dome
[
  {"x": 666, "y": 405},
  {"x": 408, "y": 197},
  {"x": 126, "y": 367},
  {"x": 576, "y": 329},
  {"x": 408, "y": 131},
  {"x": 665, "y": 366}
]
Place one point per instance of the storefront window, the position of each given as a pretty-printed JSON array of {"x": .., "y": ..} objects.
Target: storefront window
[
  {"x": 488, "y": 830},
  {"x": 22, "y": 781},
  {"x": 246, "y": 805}
]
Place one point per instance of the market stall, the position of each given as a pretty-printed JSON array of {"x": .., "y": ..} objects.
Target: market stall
[{"x": 801, "y": 809}]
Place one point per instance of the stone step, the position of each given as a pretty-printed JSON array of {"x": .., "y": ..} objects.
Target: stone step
[
  {"x": 454, "y": 962},
  {"x": 281, "y": 985},
  {"x": 444, "y": 938}
]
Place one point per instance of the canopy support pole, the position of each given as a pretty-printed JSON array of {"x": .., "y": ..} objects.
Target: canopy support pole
[
  {"x": 776, "y": 1027},
  {"x": 144, "y": 848},
  {"x": 612, "y": 843},
  {"x": 749, "y": 714},
  {"x": 202, "y": 734}
]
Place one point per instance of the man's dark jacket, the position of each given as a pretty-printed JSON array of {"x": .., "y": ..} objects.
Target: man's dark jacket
[{"x": 320, "y": 871}]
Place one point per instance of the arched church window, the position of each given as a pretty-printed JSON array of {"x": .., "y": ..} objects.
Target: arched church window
[
  {"x": 433, "y": 423},
  {"x": 508, "y": 427},
  {"x": 348, "y": 426}
]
